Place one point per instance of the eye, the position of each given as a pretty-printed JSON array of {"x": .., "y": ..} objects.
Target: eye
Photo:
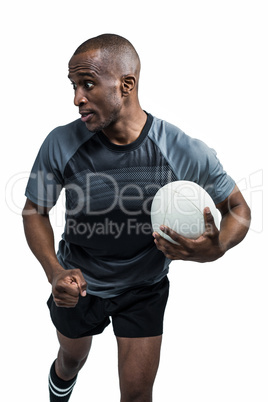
[
  {"x": 88, "y": 85},
  {"x": 74, "y": 86}
]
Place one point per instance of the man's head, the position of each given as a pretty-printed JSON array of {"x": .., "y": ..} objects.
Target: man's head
[
  {"x": 116, "y": 51},
  {"x": 104, "y": 72}
]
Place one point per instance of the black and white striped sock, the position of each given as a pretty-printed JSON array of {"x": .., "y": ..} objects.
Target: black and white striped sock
[{"x": 59, "y": 390}]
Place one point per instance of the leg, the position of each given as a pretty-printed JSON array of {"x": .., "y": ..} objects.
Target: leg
[
  {"x": 72, "y": 356},
  {"x": 138, "y": 361}
]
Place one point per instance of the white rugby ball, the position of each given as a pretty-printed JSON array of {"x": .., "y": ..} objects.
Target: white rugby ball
[{"x": 180, "y": 206}]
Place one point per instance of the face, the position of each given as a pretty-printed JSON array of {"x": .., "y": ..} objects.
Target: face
[{"x": 97, "y": 90}]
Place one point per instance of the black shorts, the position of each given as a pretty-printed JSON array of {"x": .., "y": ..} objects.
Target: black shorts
[{"x": 136, "y": 313}]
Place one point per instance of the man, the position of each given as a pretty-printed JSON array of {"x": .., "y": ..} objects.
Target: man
[{"x": 111, "y": 163}]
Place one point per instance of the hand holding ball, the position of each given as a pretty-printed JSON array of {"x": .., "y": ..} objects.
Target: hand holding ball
[{"x": 180, "y": 206}]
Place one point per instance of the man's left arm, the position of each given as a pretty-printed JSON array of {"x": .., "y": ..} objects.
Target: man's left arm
[{"x": 213, "y": 243}]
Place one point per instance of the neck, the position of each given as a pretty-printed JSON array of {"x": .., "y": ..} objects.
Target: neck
[{"x": 128, "y": 127}]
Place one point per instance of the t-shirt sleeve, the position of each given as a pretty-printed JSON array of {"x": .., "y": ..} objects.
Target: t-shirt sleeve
[
  {"x": 191, "y": 159},
  {"x": 46, "y": 179},
  {"x": 210, "y": 173}
]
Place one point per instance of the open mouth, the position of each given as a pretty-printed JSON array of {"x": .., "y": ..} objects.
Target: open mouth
[{"x": 85, "y": 117}]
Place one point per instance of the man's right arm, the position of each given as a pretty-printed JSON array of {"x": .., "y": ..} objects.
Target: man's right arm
[{"x": 66, "y": 284}]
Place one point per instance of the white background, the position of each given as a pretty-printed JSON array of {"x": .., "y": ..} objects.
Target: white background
[{"x": 204, "y": 69}]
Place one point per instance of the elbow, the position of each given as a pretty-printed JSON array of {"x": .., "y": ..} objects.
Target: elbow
[
  {"x": 248, "y": 216},
  {"x": 245, "y": 220},
  {"x": 246, "y": 213}
]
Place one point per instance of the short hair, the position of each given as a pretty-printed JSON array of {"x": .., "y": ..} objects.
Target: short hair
[
  {"x": 113, "y": 45},
  {"x": 110, "y": 42}
]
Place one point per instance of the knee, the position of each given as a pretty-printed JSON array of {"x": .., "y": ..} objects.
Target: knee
[
  {"x": 74, "y": 363},
  {"x": 72, "y": 355},
  {"x": 68, "y": 366},
  {"x": 136, "y": 392},
  {"x": 137, "y": 396}
]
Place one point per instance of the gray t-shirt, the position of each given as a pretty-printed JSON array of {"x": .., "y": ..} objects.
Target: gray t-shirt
[{"x": 109, "y": 190}]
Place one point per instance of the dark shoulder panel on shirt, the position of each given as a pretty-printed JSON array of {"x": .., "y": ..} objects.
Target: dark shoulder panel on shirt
[{"x": 64, "y": 141}]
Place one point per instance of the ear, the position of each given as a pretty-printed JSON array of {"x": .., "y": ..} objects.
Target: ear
[{"x": 128, "y": 84}]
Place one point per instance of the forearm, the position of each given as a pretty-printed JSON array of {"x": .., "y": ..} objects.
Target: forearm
[{"x": 40, "y": 238}]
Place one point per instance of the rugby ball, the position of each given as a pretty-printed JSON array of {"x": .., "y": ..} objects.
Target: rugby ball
[{"x": 180, "y": 206}]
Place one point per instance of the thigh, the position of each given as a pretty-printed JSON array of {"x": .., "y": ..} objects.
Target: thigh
[{"x": 138, "y": 361}]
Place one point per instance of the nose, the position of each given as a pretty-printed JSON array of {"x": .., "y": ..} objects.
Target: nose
[{"x": 79, "y": 98}]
